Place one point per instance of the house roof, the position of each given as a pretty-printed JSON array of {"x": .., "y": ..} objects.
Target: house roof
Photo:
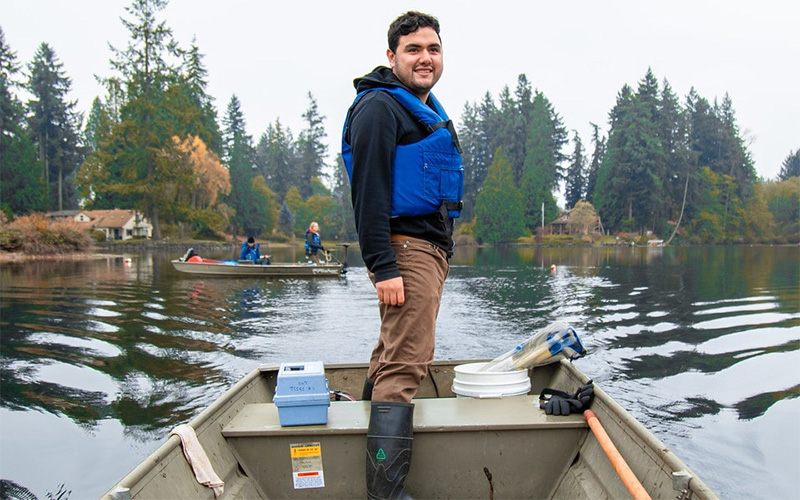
[{"x": 110, "y": 218}]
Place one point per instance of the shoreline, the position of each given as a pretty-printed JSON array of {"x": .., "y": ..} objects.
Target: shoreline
[{"x": 101, "y": 251}]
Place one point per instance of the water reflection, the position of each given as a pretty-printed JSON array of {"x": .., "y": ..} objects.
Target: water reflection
[{"x": 686, "y": 339}]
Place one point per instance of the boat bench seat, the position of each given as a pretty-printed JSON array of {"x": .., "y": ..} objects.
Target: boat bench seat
[
  {"x": 459, "y": 446},
  {"x": 430, "y": 415}
]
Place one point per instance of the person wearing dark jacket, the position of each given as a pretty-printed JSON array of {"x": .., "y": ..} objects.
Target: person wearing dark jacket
[
  {"x": 402, "y": 155},
  {"x": 313, "y": 244}
]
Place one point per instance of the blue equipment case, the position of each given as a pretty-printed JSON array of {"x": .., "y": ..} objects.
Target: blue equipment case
[{"x": 302, "y": 395}]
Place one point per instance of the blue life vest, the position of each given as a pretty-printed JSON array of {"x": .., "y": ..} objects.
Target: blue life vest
[
  {"x": 314, "y": 240},
  {"x": 427, "y": 175}
]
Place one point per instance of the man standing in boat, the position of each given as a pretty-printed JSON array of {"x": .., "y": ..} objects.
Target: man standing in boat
[{"x": 402, "y": 155}]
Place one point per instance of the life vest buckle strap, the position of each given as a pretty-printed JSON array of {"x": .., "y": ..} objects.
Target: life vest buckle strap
[{"x": 454, "y": 206}]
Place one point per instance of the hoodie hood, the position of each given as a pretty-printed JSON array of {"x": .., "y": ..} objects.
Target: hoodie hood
[{"x": 381, "y": 76}]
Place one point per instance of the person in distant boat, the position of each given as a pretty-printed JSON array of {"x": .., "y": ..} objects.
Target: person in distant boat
[
  {"x": 251, "y": 252},
  {"x": 313, "y": 244},
  {"x": 402, "y": 155}
]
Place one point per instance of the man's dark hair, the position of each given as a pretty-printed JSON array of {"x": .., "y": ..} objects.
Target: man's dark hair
[
  {"x": 251, "y": 240},
  {"x": 410, "y": 22}
]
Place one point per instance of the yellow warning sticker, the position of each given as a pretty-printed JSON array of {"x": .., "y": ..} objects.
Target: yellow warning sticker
[
  {"x": 299, "y": 450},
  {"x": 307, "y": 465}
]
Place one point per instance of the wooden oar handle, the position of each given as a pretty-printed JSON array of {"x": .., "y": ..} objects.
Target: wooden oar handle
[{"x": 624, "y": 472}]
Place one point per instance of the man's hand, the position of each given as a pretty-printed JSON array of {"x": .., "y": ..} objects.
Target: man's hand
[{"x": 390, "y": 291}]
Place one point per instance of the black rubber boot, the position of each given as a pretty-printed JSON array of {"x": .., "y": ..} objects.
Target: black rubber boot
[
  {"x": 366, "y": 393},
  {"x": 389, "y": 440}
]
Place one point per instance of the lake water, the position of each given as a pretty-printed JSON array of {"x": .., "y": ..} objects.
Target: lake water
[{"x": 102, "y": 358}]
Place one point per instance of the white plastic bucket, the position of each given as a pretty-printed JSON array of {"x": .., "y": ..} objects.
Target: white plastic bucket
[{"x": 471, "y": 383}]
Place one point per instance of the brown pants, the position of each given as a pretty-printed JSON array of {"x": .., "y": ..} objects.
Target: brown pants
[{"x": 405, "y": 347}]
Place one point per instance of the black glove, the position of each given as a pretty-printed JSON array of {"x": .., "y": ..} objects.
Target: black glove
[
  {"x": 555, "y": 402},
  {"x": 322, "y": 248},
  {"x": 585, "y": 394}
]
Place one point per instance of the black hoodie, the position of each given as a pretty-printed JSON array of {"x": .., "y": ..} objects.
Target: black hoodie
[{"x": 377, "y": 124}]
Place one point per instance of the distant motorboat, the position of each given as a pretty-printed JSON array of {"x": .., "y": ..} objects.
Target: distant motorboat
[{"x": 207, "y": 267}]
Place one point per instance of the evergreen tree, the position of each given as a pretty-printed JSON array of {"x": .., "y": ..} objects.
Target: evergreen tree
[
  {"x": 156, "y": 106},
  {"x": 513, "y": 123},
  {"x": 499, "y": 208},
  {"x": 633, "y": 186},
  {"x": 54, "y": 125},
  {"x": 542, "y": 170},
  {"x": 286, "y": 220},
  {"x": 131, "y": 169},
  {"x": 277, "y": 158},
  {"x": 239, "y": 156},
  {"x": 97, "y": 125},
  {"x": 790, "y": 166},
  {"x": 22, "y": 187},
  {"x": 736, "y": 159},
  {"x": 599, "y": 152},
  {"x": 576, "y": 174},
  {"x": 674, "y": 139},
  {"x": 311, "y": 148},
  {"x": 612, "y": 174},
  {"x": 476, "y": 136},
  {"x": 716, "y": 143},
  {"x": 194, "y": 85},
  {"x": 647, "y": 190}
]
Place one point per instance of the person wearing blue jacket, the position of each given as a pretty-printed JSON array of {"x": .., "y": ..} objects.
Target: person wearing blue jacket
[
  {"x": 313, "y": 243},
  {"x": 251, "y": 251}
]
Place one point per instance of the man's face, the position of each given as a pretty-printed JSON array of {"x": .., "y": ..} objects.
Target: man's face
[{"x": 418, "y": 61}]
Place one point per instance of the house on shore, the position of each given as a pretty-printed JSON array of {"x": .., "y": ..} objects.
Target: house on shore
[
  {"x": 117, "y": 224},
  {"x": 564, "y": 225}
]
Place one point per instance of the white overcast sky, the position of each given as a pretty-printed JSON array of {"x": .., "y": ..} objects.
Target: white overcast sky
[{"x": 578, "y": 53}]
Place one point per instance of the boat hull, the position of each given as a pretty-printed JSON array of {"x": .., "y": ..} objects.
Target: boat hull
[
  {"x": 463, "y": 448},
  {"x": 258, "y": 271}
]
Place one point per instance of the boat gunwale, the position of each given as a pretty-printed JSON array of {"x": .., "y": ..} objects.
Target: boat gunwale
[{"x": 625, "y": 421}]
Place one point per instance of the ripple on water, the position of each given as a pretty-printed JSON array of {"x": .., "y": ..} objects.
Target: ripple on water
[
  {"x": 82, "y": 378},
  {"x": 744, "y": 320},
  {"x": 102, "y": 313},
  {"x": 87, "y": 346},
  {"x": 100, "y": 327},
  {"x": 756, "y": 339}
]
